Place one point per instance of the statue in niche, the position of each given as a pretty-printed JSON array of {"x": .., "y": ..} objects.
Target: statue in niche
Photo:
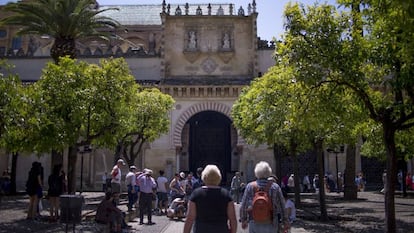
[
  {"x": 192, "y": 40},
  {"x": 226, "y": 41}
]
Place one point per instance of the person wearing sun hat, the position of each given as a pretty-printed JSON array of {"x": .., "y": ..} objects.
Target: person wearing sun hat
[{"x": 146, "y": 185}]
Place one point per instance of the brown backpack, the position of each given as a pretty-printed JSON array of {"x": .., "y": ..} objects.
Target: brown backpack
[{"x": 262, "y": 207}]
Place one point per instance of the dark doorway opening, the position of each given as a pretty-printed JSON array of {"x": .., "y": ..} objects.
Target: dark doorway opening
[{"x": 210, "y": 141}]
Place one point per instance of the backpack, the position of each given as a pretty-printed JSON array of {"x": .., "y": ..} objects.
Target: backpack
[{"x": 262, "y": 207}]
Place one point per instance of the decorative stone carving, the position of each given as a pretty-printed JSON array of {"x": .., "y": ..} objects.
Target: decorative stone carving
[
  {"x": 241, "y": 11},
  {"x": 209, "y": 65},
  {"x": 226, "y": 41},
  {"x": 192, "y": 40},
  {"x": 199, "y": 11},
  {"x": 220, "y": 11},
  {"x": 226, "y": 56},
  {"x": 187, "y": 6},
  {"x": 178, "y": 11},
  {"x": 191, "y": 56}
]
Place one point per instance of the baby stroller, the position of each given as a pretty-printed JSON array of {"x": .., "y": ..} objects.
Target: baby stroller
[{"x": 177, "y": 209}]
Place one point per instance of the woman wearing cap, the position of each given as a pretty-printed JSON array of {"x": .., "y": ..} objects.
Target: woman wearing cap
[{"x": 221, "y": 218}]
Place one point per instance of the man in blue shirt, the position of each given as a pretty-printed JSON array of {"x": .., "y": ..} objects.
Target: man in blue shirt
[{"x": 146, "y": 185}]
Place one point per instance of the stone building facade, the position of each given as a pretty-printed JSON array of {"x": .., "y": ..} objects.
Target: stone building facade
[{"x": 201, "y": 55}]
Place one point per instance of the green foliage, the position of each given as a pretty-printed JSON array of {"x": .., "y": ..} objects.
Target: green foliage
[
  {"x": 80, "y": 103},
  {"x": 15, "y": 109},
  {"x": 151, "y": 113},
  {"x": 326, "y": 49},
  {"x": 276, "y": 109}
]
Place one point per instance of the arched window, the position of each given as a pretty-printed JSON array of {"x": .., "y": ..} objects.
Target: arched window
[{"x": 16, "y": 43}]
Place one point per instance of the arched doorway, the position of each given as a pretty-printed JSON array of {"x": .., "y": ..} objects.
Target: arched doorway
[{"x": 210, "y": 141}]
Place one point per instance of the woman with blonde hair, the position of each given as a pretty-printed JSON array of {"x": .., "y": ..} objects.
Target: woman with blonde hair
[{"x": 206, "y": 219}]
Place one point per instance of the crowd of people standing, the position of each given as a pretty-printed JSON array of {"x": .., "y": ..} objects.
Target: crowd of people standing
[{"x": 197, "y": 193}]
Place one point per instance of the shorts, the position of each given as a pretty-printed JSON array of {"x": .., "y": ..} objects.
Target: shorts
[
  {"x": 116, "y": 187},
  {"x": 162, "y": 196}
]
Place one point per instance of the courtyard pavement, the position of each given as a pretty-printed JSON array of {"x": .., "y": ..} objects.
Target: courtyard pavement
[{"x": 364, "y": 215}]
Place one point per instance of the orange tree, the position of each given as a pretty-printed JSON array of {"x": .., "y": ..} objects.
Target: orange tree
[
  {"x": 82, "y": 104},
  {"x": 371, "y": 55}
]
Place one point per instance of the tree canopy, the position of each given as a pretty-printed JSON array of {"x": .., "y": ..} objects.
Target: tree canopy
[
  {"x": 366, "y": 50},
  {"x": 150, "y": 119},
  {"x": 83, "y": 104}
]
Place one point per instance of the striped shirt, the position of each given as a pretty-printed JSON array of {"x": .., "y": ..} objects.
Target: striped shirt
[{"x": 146, "y": 184}]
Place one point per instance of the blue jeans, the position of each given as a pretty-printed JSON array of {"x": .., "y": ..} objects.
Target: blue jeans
[
  {"x": 132, "y": 196},
  {"x": 262, "y": 227}
]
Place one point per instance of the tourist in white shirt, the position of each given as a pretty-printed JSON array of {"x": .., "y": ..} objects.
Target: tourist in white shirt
[
  {"x": 162, "y": 192},
  {"x": 131, "y": 183},
  {"x": 116, "y": 180}
]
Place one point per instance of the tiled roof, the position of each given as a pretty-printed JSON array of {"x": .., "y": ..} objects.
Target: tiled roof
[
  {"x": 134, "y": 14},
  {"x": 150, "y": 14}
]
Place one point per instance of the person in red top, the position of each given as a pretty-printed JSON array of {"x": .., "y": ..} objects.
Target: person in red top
[{"x": 409, "y": 181}]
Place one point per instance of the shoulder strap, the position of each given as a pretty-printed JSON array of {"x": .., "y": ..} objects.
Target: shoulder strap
[
  {"x": 255, "y": 186},
  {"x": 268, "y": 185}
]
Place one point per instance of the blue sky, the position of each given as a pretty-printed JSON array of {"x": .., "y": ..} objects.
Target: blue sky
[{"x": 270, "y": 20}]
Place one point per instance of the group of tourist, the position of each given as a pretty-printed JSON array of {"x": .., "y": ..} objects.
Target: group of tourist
[{"x": 200, "y": 192}]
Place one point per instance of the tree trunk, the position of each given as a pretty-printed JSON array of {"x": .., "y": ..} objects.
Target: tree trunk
[
  {"x": 118, "y": 152},
  {"x": 321, "y": 171},
  {"x": 389, "y": 141},
  {"x": 350, "y": 189},
  {"x": 13, "y": 190},
  {"x": 57, "y": 158},
  {"x": 72, "y": 159},
  {"x": 277, "y": 154},
  {"x": 63, "y": 46},
  {"x": 293, "y": 153}
]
